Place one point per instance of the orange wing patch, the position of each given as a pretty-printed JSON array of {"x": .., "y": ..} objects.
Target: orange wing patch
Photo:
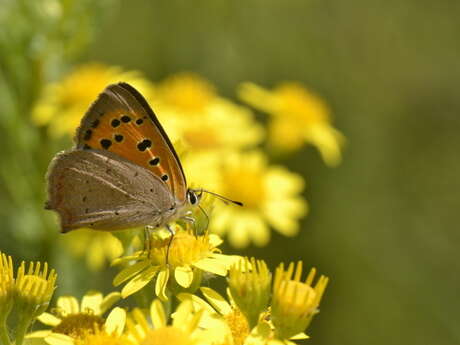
[{"x": 117, "y": 122}]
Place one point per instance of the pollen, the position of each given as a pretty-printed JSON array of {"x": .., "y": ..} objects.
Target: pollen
[
  {"x": 102, "y": 338},
  {"x": 185, "y": 249},
  {"x": 245, "y": 185},
  {"x": 238, "y": 325},
  {"x": 167, "y": 335},
  {"x": 79, "y": 325}
]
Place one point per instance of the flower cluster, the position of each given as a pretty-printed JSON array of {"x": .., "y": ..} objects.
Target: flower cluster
[{"x": 258, "y": 310}]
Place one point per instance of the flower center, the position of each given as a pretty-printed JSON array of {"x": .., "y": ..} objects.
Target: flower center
[
  {"x": 185, "y": 249},
  {"x": 79, "y": 325},
  {"x": 167, "y": 336},
  {"x": 238, "y": 325},
  {"x": 102, "y": 338},
  {"x": 246, "y": 186}
]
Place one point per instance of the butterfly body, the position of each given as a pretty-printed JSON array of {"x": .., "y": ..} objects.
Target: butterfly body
[{"x": 123, "y": 172}]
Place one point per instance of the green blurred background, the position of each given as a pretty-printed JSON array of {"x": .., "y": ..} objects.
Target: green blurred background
[{"x": 383, "y": 225}]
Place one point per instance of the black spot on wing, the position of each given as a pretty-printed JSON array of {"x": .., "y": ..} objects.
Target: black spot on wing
[
  {"x": 155, "y": 161},
  {"x": 144, "y": 145},
  {"x": 106, "y": 143},
  {"x": 125, "y": 119},
  {"x": 115, "y": 123}
]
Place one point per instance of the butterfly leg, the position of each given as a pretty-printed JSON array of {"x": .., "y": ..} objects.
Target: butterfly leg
[
  {"x": 172, "y": 232},
  {"x": 192, "y": 221},
  {"x": 147, "y": 239}
]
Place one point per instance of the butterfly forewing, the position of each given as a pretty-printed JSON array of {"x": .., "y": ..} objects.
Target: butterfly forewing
[
  {"x": 120, "y": 121},
  {"x": 100, "y": 190}
]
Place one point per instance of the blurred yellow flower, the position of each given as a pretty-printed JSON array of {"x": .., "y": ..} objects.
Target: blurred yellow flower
[
  {"x": 297, "y": 116},
  {"x": 187, "y": 93},
  {"x": 63, "y": 103},
  {"x": 184, "y": 329},
  {"x": 180, "y": 260},
  {"x": 294, "y": 303},
  {"x": 98, "y": 247},
  {"x": 194, "y": 113},
  {"x": 270, "y": 194},
  {"x": 73, "y": 320}
]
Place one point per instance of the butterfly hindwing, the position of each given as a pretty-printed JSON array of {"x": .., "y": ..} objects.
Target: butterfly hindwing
[
  {"x": 120, "y": 121},
  {"x": 99, "y": 190}
]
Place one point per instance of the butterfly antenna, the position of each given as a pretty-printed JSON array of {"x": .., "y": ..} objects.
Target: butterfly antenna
[{"x": 223, "y": 198}]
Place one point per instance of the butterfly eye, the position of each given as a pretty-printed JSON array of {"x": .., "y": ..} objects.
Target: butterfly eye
[{"x": 192, "y": 197}]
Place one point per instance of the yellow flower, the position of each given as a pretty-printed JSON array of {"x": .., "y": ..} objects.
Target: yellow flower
[
  {"x": 75, "y": 320},
  {"x": 271, "y": 197},
  {"x": 223, "y": 319},
  {"x": 106, "y": 336},
  {"x": 34, "y": 287},
  {"x": 184, "y": 329},
  {"x": 249, "y": 281},
  {"x": 63, "y": 103},
  {"x": 29, "y": 293},
  {"x": 187, "y": 93},
  {"x": 294, "y": 302},
  {"x": 99, "y": 247},
  {"x": 194, "y": 113},
  {"x": 298, "y": 116},
  {"x": 6, "y": 285},
  {"x": 180, "y": 260}
]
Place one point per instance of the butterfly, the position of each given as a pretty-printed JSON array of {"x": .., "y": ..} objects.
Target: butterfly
[{"x": 123, "y": 171}]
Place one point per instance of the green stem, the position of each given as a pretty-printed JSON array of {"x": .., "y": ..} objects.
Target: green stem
[
  {"x": 4, "y": 337},
  {"x": 22, "y": 329}
]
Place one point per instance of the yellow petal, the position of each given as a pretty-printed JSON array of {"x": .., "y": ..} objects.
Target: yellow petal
[
  {"x": 109, "y": 300},
  {"x": 39, "y": 334},
  {"x": 183, "y": 276},
  {"x": 59, "y": 339},
  {"x": 216, "y": 300},
  {"x": 211, "y": 265},
  {"x": 139, "y": 282},
  {"x": 49, "y": 319},
  {"x": 68, "y": 304},
  {"x": 160, "y": 287},
  {"x": 92, "y": 301},
  {"x": 182, "y": 316},
  {"x": 228, "y": 260},
  {"x": 157, "y": 314},
  {"x": 300, "y": 336},
  {"x": 198, "y": 303},
  {"x": 215, "y": 240},
  {"x": 116, "y": 321},
  {"x": 129, "y": 272}
]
